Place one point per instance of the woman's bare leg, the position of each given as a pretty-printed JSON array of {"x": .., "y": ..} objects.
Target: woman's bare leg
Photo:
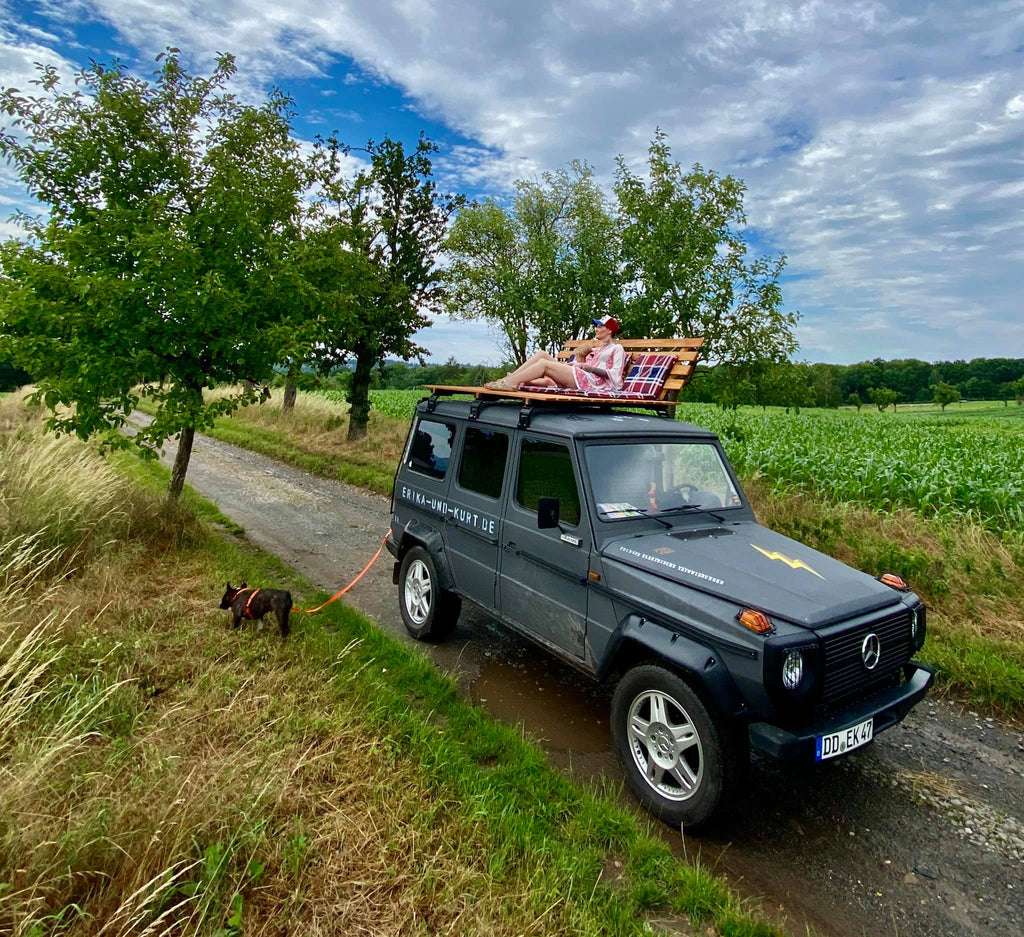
[
  {"x": 560, "y": 373},
  {"x": 542, "y": 382},
  {"x": 515, "y": 376}
]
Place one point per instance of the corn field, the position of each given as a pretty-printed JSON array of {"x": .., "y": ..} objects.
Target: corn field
[{"x": 966, "y": 468}]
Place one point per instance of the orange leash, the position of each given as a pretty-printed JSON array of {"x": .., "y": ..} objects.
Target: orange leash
[{"x": 338, "y": 595}]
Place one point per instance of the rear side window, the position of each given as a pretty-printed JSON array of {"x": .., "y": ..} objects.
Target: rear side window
[
  {"x": 545, "y": 471},
  {"x": 484, "y": 455},
  {"x": 430, "y": 448}
]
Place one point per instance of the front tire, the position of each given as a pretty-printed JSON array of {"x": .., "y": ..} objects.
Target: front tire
[
  {"x": 677, "y": 760},
  {"x": 428, "y": 611}
]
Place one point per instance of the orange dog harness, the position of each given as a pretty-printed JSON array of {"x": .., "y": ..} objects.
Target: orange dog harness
[{"x": 247, "y": 613}]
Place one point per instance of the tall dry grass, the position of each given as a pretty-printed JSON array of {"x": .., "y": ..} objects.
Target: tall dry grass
[
  {"x": 69, "y": 500},
  {"x": 162, "y": 775}
]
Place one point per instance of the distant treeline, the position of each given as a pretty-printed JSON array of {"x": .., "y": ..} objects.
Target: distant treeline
[{"x": 903, "y": 380}]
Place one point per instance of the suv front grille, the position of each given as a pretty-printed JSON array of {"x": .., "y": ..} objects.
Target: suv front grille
[{"x": 845, "y": 672}]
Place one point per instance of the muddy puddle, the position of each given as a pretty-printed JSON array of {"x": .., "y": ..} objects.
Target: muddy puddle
[{"x": 561, "y": 717}]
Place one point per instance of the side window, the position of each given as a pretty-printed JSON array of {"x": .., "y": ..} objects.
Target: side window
[
  {"x": 484, "y": 455},
  {"x": 545, "y": 471},
  {"x": 430, "y": 448}
]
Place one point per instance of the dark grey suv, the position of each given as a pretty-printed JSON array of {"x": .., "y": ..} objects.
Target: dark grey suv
[{"x": 624, "y": 545}]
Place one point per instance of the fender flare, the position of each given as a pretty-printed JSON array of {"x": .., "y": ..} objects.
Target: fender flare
[
  {"x": 703, "y": 664},
  {"x": 416, "y": 533}
]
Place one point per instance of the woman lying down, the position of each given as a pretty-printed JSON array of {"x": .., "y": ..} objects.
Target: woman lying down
[{"x": 601, "y": 369}]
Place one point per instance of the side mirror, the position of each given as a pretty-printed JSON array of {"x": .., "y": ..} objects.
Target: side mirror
[{"x": 547, "y": 513}]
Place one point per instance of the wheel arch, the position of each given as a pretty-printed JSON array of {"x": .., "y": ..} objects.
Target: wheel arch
[
  {"x": 417, "y": 534},
  {"x": 639, "y": 640}
]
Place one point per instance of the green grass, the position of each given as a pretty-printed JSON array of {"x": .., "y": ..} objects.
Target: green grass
[
  {"x": 163, "y": 764},
  {"x": 293, "y": 448},
  {"x": 278, "y": 445}
]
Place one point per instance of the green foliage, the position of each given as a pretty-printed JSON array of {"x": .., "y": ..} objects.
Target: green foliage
[
  {"x": 158, "y": 261},
  {"x": 374, "y": 237},
  {"x": 540, "y": 270},
  {"x": 12, "y": 378},
  {"x": 914, "y": 379},
  {"x": 669, "y": 259},
  {"x": 944, "y": 394},
  {"x": 883, "y": 397},
  {"x": 685, "y": 263}
]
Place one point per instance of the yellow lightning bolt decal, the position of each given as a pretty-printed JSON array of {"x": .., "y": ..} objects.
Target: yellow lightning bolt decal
[{"x": 792, "y": 564}]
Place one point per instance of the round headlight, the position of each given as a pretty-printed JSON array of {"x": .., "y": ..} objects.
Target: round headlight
[{"x": 792, "y": 670}]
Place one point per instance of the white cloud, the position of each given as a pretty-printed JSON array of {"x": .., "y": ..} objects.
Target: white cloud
[{"x": 880, "y": 143}]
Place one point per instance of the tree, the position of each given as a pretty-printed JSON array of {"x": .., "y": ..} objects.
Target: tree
[
  {"x": 854, "y": 401},
  {"x": 882, "y": 397},
  {"x": 155, "y": 271},
  {"x": 376, "y": 234},
  {"x": 540, "y": 270},
  {"x": 685, "y": 263},
  {"x": 826, "y": 390},
  {"x": 944, "y": 394}
]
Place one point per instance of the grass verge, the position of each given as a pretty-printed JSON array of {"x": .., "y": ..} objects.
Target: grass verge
[{"x": 163, "y": 774}]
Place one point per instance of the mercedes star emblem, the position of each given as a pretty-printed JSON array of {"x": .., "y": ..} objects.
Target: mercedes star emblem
[{"x": 870, "y": 651}]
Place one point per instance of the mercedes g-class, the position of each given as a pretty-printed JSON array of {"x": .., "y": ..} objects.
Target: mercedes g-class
[{"x": 624, "y": 544}]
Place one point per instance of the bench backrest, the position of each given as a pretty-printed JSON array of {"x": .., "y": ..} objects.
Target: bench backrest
[{"x": 643, "y": 372}]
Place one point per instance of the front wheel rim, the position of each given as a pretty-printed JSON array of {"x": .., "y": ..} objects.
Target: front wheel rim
[
  {"x": 665, "y": 745},
  {"x": 418, "y": 591}
]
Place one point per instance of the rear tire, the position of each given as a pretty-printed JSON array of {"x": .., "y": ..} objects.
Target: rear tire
[
  {"x": 677, "y": 759},
  {"x": 428, "y": 611}
]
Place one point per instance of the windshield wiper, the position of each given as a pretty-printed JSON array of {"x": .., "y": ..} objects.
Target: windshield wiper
[
  {"x": 640, "y": 512},
  {"x": 681, "y": 508}
]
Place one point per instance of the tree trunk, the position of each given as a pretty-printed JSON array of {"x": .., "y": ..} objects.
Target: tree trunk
[
  {"x": 359, "y": 395},
  {"x": 291, "y": 391},
  {"x": 181, "y": 459}
]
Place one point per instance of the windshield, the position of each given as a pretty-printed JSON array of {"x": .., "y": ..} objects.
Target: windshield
[{"x": 637, "y": 479}]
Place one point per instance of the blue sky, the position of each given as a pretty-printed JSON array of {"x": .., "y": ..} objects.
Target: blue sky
[{"x": 882, "y": 143}]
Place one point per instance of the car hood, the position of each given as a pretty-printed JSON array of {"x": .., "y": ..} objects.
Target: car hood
[{"x": 753, "y": 566}]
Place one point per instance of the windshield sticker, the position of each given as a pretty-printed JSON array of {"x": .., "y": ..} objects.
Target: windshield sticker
[
  {"x": 489, "y": 525},
  {"x": 617, "y": 509},
  {"x": 792, "y": 564},
  {"x": 668, "y": 564}
]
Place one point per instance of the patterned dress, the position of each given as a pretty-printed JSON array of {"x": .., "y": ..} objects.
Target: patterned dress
[{"x": 610, "y": 358}]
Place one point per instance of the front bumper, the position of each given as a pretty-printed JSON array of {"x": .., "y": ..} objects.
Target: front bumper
[{"x": 888, "y": 708}]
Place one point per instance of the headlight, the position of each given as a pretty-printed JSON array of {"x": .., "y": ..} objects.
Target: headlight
[
  {"x": 792, "y": 670},
  {"x": 913, "y": 626}
]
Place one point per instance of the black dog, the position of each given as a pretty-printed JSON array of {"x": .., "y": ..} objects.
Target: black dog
[{"x": 255, "y": 603}]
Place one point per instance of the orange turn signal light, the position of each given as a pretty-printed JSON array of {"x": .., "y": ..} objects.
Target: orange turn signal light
[
  {"x": 755, "y": 620},
  {"x": 896, "y": 582}
]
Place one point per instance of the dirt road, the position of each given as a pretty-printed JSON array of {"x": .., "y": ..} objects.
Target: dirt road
[{"x": 919, "y": 835}]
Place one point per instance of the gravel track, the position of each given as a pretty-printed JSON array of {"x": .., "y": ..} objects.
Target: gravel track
[{"x": 919, "y": 835}]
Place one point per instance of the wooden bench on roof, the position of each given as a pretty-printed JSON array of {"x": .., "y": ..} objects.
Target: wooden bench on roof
[{"x": 661, "y": 366}]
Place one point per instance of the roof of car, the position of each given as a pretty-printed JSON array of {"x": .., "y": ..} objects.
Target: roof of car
[{"x": 567, "y": 419}]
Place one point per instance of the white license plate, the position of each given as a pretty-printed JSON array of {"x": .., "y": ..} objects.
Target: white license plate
[{"x": 839, "y": 743}]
